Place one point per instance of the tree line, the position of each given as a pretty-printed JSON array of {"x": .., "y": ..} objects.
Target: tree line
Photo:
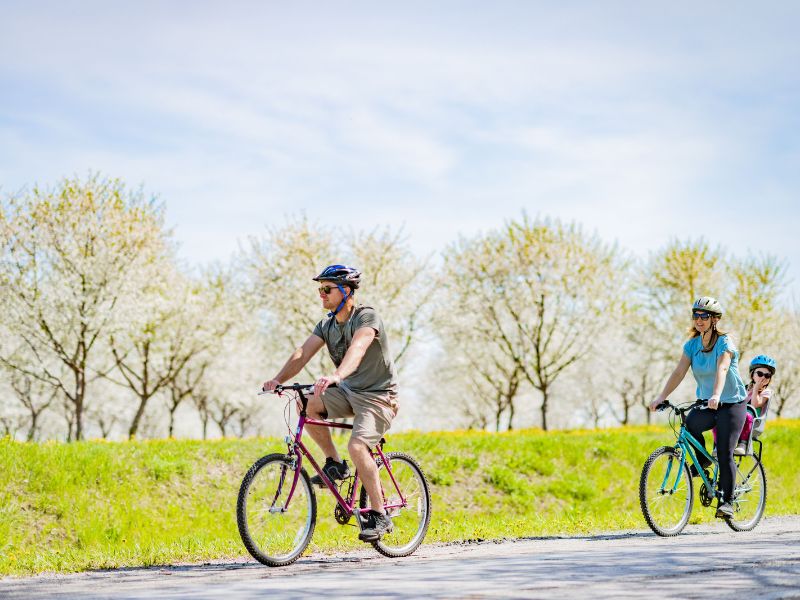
[{"x": 105, "y": 333}]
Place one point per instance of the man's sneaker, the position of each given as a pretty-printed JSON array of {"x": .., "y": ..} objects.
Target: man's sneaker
[
  {"x": 333, "y": 470},
  {"x": 741, "y": 449},
  {"x": 724, "y": 511},
  {"x": 377, "y": 524}
]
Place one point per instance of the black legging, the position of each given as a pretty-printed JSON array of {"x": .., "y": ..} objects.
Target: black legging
[{"x": 729, "y": 420}]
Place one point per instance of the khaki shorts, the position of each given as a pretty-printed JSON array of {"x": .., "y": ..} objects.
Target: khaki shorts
[{"x": 373, "y": 412}]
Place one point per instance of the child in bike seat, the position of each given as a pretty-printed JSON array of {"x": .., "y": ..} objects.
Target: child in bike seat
[{"x": 762, "y": 368}]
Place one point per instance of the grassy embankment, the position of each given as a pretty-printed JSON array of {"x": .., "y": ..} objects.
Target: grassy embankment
[{"x": 70, "y": 507}]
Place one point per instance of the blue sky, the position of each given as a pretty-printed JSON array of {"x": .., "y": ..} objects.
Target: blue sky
[{"x": 641, "y": 121}]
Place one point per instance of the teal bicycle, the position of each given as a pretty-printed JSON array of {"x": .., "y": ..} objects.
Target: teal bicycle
[{"x": 666, "y": 487}]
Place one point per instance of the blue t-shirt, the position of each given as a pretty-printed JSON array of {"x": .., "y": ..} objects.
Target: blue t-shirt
[{"x": 704, "y": 369}]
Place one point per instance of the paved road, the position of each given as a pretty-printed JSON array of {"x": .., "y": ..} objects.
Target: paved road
[{"x": 704, "y": 562}]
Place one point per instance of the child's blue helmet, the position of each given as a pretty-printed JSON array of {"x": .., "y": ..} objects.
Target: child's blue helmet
[{"x": 762, "y": 360}]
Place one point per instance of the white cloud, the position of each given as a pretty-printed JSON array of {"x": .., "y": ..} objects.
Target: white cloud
[{"x": 448, "y": 118}]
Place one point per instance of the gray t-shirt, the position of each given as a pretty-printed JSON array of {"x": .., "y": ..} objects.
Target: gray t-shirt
[{"x": 376, "y": 373}]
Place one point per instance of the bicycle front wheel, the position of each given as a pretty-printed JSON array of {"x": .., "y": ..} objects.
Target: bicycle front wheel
[
  {"x": 276, "y": 523},
  {"x": 410, "y": 521},
  {"x": 666, "y": 492},
  {"x": 749, "y": 493}
]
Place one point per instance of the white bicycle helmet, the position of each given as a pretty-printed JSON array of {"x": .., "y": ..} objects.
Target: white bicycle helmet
[{"x": 709, "y": 305}]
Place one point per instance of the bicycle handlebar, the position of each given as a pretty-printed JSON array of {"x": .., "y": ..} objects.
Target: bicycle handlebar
[
  {"x": 307, "y": 388},
  {"x": 667, "y": 404}
]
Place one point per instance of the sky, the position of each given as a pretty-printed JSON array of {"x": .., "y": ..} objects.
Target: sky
[{"x": 643, "y": 122}]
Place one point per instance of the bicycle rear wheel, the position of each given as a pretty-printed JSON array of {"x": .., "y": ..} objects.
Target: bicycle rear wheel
[
  {"x": 411, "y": 521},
  {"x": 749, "y": 493},
  {"x": 666, "y": 492},
  {"x": 273, "y": 532}
]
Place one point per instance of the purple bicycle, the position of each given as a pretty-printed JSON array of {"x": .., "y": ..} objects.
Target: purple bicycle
[{"x": 277, "y": 506}]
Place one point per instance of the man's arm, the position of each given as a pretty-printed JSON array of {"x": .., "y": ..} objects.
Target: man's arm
[
  {"x": 358, "y": 347},
  {"x": 296, "y": 362}
]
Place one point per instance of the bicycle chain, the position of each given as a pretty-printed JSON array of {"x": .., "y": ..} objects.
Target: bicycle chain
[{"x": 339, "y": 513}]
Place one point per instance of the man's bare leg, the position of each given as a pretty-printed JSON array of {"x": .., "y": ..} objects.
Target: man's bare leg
[
  {"x": 368, "y": 471},
  {"x": 321, "y": 435}
]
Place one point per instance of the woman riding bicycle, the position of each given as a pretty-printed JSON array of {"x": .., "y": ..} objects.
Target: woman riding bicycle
[{"x": 713, "y": 358}]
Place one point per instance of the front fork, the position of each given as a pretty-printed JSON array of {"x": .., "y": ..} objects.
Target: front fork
[{"x": 295, "y": 462}]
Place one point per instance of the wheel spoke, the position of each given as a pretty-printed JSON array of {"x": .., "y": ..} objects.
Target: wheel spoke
[
  {"x": 410, "y": 523},
  {"x": 750, "y": 494},
  {"x": 665, "y": 493},
  {"x": 275, "y": 527}
]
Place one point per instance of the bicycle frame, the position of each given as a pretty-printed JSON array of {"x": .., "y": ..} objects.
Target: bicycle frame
[
  {"x": 689, "y": 446},
  {"x": 298, "y": 450}
]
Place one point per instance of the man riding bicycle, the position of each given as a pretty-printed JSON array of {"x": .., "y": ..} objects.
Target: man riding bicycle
[{"x": 364, "y": 385}]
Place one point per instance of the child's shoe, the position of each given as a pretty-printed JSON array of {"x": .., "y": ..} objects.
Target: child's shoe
[{"x": 741, "y": 449}]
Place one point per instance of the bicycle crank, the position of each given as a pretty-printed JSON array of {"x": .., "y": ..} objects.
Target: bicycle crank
[
  {"x": 341, "y": 515},
  {"x": 705, "y": 498}
]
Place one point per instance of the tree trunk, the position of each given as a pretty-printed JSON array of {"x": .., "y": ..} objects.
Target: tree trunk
[
  {"x": 138, "y": 416},
  {"x": 171, "y": 429},
  {"x": 105, "y": 428},
  {"x": 545, "y": 399},
  {"x": 32, "y": 429},
  {"x": 70, "y": 419},
  {"x": 80, "y": 394},
  {"x": 8, "y": 428}
]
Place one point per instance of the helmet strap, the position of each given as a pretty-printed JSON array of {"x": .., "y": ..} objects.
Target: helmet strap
[{"x": 345, "y": 296}]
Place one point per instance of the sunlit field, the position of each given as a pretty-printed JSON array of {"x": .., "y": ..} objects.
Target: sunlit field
[{"x": 95, "y": 504}]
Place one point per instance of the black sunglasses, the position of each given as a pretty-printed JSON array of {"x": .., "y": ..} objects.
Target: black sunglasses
[
  {"x": 327, "y": 289},
  {"x": 701, "y": 315},
  {"x": 768, "y": 375}
]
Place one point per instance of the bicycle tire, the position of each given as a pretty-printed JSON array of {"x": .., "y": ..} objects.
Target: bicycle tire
[
  {"x": 274, "y": 536},
  {"x": 749, "y": 495},
  {"x": 666, "y": 512},
  {"x": 410, "y": 522}
]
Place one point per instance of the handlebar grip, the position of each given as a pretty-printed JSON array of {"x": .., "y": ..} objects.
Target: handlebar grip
[{"x": 296, "y": 387}]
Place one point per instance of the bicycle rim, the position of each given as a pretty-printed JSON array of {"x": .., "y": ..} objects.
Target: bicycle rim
[
  {"x": 410, "y": 522},
  {"x": 275, "y": 534},
  {"x": 749, "y": 494},
  {"x": 666, "y": 492}
]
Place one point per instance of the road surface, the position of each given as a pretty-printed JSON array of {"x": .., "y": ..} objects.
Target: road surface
[{"x": 708, "y": 561}]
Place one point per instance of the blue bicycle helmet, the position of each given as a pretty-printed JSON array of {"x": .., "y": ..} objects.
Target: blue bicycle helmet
[
  {"x": 762, "y": 360},
  {"x": 341, "y": 275}
]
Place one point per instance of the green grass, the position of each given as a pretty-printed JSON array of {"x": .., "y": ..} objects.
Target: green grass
[{"x": 87, "y": 505}]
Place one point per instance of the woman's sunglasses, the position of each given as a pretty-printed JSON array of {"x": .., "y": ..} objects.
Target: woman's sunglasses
[
  {"x": 701, "y": 315},
  {"x": 768, "y": 375}
]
